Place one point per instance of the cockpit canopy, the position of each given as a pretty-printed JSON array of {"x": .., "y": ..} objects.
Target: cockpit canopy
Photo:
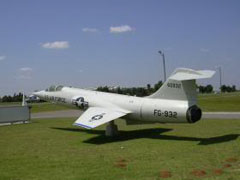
[{"x": 54, "y": 88}]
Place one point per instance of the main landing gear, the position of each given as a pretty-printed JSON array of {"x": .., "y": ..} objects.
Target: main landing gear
[{"x": 111, "y": 129}]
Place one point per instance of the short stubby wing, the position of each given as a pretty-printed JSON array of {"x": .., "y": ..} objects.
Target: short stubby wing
[{"x": 96, "y": 116}]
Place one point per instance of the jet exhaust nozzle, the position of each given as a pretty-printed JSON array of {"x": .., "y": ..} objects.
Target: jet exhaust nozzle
[{"x": 194, "y": 114}]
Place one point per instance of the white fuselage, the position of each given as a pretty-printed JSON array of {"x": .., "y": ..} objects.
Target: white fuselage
[{"x": 141, "y": 109}]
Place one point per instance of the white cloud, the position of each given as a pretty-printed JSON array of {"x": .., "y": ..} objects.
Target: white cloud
[
  {"x": 2, "y": 58},
  {"x": 25, "y": 73},
  {"x": 204, "y": 50},
  {"x": 56, "y": 45},
  {"x": 25, "y": 69},
  {"x": 92, "y": 30},
  {"x": 121, "y": 29}
]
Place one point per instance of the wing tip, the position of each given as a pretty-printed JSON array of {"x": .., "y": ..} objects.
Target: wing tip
[{"x": 82, "y": 125}]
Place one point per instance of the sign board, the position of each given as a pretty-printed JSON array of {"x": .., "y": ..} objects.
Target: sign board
[{"x": 11, "y": 114}]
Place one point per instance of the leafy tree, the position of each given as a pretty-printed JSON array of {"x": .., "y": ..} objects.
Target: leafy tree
[
  {"x": 158, "y": 85},
  {"x": 209, "y": 88},
  {"x": 205, "y": 89},
  {"x": 225, "y": 88}
]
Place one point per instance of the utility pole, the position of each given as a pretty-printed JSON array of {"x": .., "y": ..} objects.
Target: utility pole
[
  {"x": 164, "y": 66},
  {"x": 220, "y": 76}
]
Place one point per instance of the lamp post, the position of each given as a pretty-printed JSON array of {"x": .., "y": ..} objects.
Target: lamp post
[
  {"x": 164, "y": 66},
  {"x": 220, "y": 76}
]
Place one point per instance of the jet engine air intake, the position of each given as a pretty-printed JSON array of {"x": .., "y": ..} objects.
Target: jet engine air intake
[{"x": 194, "y": 114}]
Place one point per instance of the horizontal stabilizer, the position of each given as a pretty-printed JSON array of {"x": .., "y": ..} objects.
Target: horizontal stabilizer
[
  {"x": 183, "y": 74},
  {"x": 96, "y": 116}
]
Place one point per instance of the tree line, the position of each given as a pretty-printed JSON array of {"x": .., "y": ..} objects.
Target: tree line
[
  {"x": 15, "y": 98},
  {"x": 132, "y": 91},
  {"x": 209, "y": 89},
  {"x": 148, "y": 90},
  {"x": 225, "y": 88}
]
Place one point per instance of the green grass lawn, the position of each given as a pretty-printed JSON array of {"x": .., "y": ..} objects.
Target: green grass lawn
[
  {"x": 54, "y": 149},
  {"x": 229, "y": 102}
]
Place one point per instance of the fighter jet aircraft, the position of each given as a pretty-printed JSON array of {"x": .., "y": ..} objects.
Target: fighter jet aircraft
[{"x": 174, "y": 102}]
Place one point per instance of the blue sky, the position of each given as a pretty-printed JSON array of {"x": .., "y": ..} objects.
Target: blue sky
[{"x": 114, "y": 42}]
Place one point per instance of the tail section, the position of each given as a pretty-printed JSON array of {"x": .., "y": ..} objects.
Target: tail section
[{"x": 181, "y": 85}]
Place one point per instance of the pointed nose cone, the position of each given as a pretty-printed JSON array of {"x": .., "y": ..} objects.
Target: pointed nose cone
[{"x": 39, "y": 94}]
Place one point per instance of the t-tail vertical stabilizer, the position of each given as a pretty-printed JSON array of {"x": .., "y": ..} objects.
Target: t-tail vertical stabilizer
[{"x": 181, "y": 85}]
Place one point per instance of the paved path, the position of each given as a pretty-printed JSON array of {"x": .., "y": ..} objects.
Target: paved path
[
  {"x": 57, "y": 114},
  {"x": 221, "y": 115},
  {"x": 77, "y": 113}
]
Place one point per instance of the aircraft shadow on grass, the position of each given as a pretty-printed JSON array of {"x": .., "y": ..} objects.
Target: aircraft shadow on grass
[{"x": 153, "y": 133}]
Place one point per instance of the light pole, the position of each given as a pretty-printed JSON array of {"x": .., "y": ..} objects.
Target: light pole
[
  {"x": 164, "y": 66},
  {"x": 220, "y": 76}
]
